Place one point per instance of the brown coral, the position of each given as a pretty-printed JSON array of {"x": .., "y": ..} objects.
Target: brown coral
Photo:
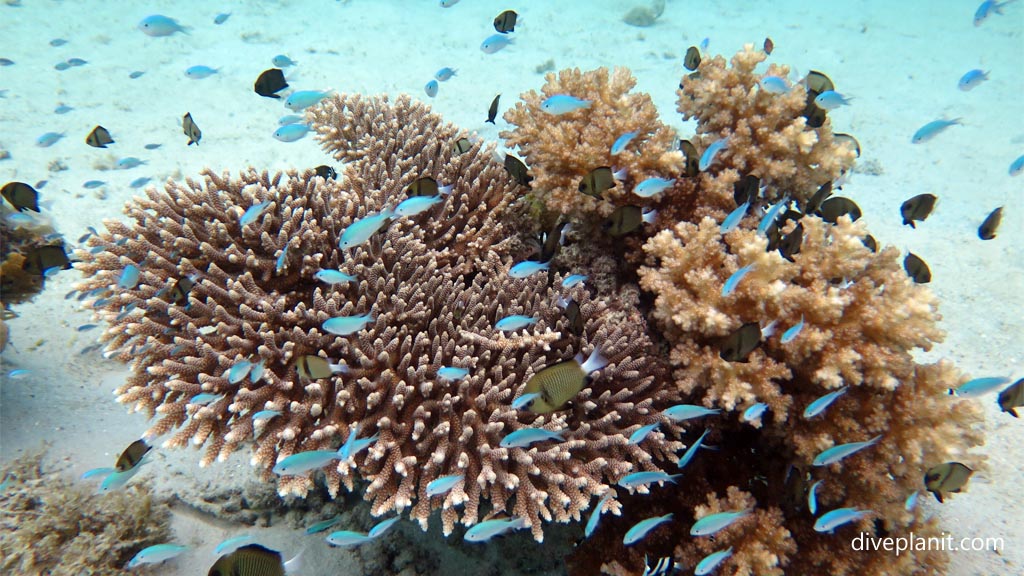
[
  {"x": 863, "y": 318},
  {"x": 761, "y": 545},
  {"x": 435, "y": 284},
  {"x": 17, "y": 242},
  {"x": 50, "y": 525},
  {"x": 19, "y": 280},
  {"x": 768, "y": 136},
  {"x": 562, "y": 149}
]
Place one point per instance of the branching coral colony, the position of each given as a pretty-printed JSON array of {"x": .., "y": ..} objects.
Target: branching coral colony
[
  {"x": 225, "y": 285},
  {"x": 434, "y": 285},
  {"x": 850, "y": 314}
]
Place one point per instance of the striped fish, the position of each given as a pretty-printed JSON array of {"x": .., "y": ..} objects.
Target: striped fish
[
  {"x": 561, "y": 382},
  {"x": 132, "y": 455},
  {"x": 662, "y": 567},
  {"x": 253, "y": 560}
]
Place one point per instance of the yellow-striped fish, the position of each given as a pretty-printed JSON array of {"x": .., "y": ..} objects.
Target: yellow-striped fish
[
  {"x": 599, "y": 180},
  {"x": 561, "y": 382},
  {"x": 99, "y": 138},
  {"x": 1009, "y": 399}
]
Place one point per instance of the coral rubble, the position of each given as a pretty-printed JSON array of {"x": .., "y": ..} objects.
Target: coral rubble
[{"x": 49, "y": 525}]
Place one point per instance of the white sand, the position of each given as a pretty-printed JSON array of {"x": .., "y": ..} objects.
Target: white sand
[{"x": 899, "y": 60}]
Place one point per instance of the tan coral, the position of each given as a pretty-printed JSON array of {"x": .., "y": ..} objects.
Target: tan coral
[
  {"x": 864, "y": 320},
  {"x": 761, "y": 544},
  {"x": 562, "y": 149},
  {"x": 435, "y": 284},
  {"x": 863, "y": 317},
  {"x": 51, "y": 524},
  {"x": 768, "y": 137}
]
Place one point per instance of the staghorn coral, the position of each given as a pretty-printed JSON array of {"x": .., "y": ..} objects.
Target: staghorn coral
[
  {"x": 434, "y": 283},
  {"x": 768, "y": 136},
  {"x": 561, "y": 150},
  {"x": 49, "y": 525}
]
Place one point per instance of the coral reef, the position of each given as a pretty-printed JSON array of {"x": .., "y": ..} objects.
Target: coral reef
[
  {"x": 22, "y": 233},
  {"x": 768, "y": 136},
  {"x": 215, "y": 291},
  {"x": 565, "y": 148},
  {"x": 434, "y": 283},
  {"x": 863, "y": 319},
  {"x": 50, "y": 525}
]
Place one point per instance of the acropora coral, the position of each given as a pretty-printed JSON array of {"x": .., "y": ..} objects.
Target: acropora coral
[
  {"x": 435, "y": 284},
  {"x": 566, "y": 148},
  {"x": 768, "y": 135},
  {"x": 863, "y": 317},
  {"x": 52, "y": 525},
  {"x": 862, "y": 320}
]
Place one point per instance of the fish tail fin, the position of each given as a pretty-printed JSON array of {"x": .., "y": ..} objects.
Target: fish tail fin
[
  {"x": 595, "y": 362},
  {"x": 294, "y": 565},
  {"x": 97, "y": 472}
]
